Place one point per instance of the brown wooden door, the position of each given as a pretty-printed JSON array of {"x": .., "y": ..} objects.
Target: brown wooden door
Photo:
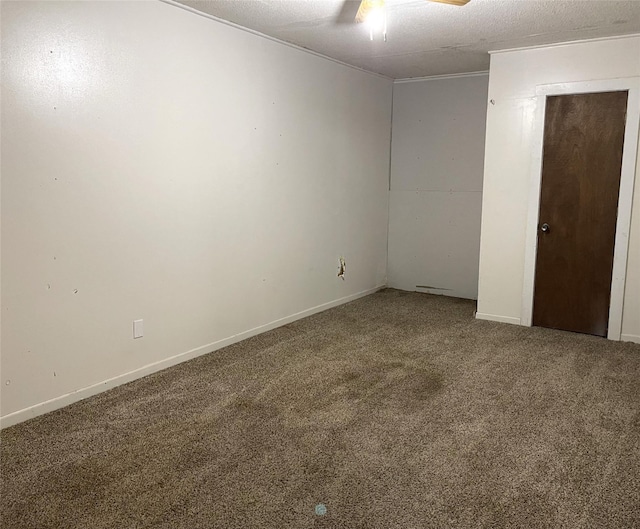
[{"x": 581, "y": 165}]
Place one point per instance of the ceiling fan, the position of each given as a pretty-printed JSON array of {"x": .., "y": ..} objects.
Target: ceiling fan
[
  {"x": 372, "y": 11},
  {"x": 368, "y": 6}
]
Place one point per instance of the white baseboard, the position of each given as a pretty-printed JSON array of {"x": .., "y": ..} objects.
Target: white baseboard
[
  {"x": 75, "y": 396},
  {"x": 630, "y": 338},
  {"x": 494, "y": 317},
  {"x": 516, "y": 321}
]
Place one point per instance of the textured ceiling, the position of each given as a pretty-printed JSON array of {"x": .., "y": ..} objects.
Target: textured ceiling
[{"x": 426, "y": 38}]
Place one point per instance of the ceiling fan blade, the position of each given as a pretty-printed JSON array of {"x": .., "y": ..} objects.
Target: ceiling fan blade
[
  {"x": 348, "y": 12},
  {"x": 366, "y": 6},
  {"x": 452, "y": 2}
]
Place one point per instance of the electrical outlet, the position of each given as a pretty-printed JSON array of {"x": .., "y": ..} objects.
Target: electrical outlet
[{"x": 138, "y": 328}]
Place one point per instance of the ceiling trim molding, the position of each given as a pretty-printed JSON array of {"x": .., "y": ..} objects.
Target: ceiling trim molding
[
  {"x": 565, "y": 43},
  {"x": 273, "y": 39},
  {"x": 444, "y": 76}
]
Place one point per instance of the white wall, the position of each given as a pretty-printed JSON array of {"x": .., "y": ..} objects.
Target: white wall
[
  {"x": 436, "y": 184},
  {"x": 512, "y": 84},
  {"x": 160, "y": 165}
]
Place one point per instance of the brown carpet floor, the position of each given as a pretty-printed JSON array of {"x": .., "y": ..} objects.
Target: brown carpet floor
[{"x": 399, "y": 410}]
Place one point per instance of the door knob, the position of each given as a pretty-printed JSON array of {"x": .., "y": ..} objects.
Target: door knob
[{"x": 544, "y": 228}]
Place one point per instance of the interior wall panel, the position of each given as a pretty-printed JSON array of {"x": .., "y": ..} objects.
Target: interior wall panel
[
  {"x": 436, "y": 185},
  {"x": 159, "y": 165}
]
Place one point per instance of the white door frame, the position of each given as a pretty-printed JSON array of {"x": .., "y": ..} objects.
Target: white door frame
[{"x": 627, "y": 177}]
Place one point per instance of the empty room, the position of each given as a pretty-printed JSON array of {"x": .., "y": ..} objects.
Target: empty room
[{"x": 320, "y": 263}]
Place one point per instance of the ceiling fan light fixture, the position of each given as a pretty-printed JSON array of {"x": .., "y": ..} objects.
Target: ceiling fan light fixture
[
  {"x": 373, "y": 14},
  {"x": 366, "y": 6},
  {"x": 377, "y": 22}
]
